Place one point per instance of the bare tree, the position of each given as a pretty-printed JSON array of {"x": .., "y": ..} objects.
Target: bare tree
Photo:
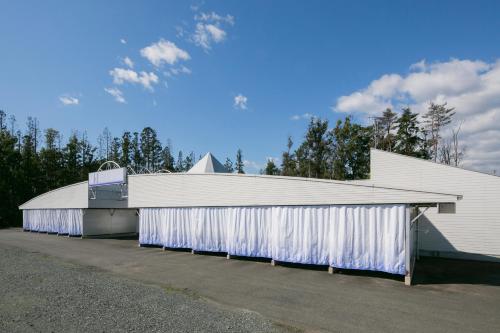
[
  {"x": 458, "y": 151},
  {"x": 445, "y": 152},
  {"x": 436, "y": 118},
  {"x": 450, "y": 152}
]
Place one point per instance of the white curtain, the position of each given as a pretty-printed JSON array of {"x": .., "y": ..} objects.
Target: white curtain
[
  {"x": 369, "y": 237},
  {"x": 62, "y": 221}
]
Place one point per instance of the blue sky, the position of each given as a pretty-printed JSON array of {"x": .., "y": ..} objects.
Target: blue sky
[{"x": 284, "y": 59}]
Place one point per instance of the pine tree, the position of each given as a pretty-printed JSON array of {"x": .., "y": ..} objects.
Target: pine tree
[
  {"x": 288, "y": 164},
  {"x": 51, "y": 160},
  {"x": 189, "y": 161},
  {"x": 72, "y": 158},
  {"x": 179, "y": 167},
  {"x": 115, "y": 150},
  {"x": 150, "y": 149},
  {"x": 228, "y": 165},
  {"x": 105, "y": 141},
  {"x": 239, "y": 162},
  {"x": 11, "y": 178},
  {"x": 271, "y": 168},
  {"x": 168, "y": 162},
  {"x": 126, "y": 150},
  {"x": 407, "y": 139},
  {"x": 350, "y": 151},
  {"x": 89, "y": 160},
  {"x": 387, "y": 124},
  {"x": 136, "y": 153},
  {"x": 314, "y": 150}
]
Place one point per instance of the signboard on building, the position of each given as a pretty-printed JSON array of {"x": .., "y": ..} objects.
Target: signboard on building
[{"x": 108, "y": 177}]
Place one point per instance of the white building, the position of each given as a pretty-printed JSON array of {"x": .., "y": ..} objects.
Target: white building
[
  {"x": 473, "y": 232},
  {"x": 353, "y": 225}
]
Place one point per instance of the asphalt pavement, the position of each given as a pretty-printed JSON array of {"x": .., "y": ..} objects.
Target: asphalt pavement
[{"x": 450, "y": 295}]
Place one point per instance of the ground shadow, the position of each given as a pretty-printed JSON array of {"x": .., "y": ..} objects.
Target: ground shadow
[
  {"x": 432, "y": 270},
  {"x": 446, "y": 265}
]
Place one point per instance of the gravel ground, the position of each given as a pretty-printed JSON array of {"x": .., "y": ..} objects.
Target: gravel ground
[{"x": 44, "y": 294}]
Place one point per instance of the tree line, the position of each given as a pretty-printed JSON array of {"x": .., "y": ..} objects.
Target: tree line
[
  {"x": 34, "y": 161},
  {"x": 343, "y": 152}
]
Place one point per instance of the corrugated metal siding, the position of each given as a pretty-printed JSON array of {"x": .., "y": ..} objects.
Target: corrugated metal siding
[
  {"x": 185, "y": 190},
  {"x": 72, "y": 196},
  {"x": 475, "y": 228}
]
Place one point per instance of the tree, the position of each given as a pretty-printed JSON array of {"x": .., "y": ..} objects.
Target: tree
[
  {"x": 350, "y": 151},
  {"x": 189, "y": 161},
  {"x": 34, "y": 132},
  {"x": 450, "y": 151},
  {"x": 271, "y": 168},
  {"x": 11, "y": 179},
  {"x": 288, "y": 165},
  {"x": 386, "y": 125},
  {"x": 228, "y": 165},
  {"x": 150, "y": 149},
  {"x": 179, "y": 167},
  {"x": 312, "y": 155},
  {"x": 3, "y": 121},
  {"x": 168, "y": 162},
  {"x": 136, "y": 153},
  {"x": 239, "y": 162},
  {"x": 407, "y": 139},
  {"x": 436, "y": 118},
  {"x": 105, "y": 141},
  {"x": 72, "y": 158},
  {"x": 458, "y": 150},
  {"x": 126, "y": 149},
  {"x": 51, "y": 160},
  {"x": 89, "y": 162},
  {"x": 115, "y": 150}
]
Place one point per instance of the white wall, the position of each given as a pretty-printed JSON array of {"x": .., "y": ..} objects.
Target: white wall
[
  {"x": 215, "y": 190},
  {"x": 474, "y": 229}
]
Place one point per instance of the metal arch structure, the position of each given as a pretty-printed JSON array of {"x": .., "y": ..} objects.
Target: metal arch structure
[
  {"x": 163, "y": 171},
  {"x": 108, "y": 165},
  {"x": 144, "y": 170}
]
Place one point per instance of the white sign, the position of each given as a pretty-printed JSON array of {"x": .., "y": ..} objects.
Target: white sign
[{"x": 108, "y": 177}]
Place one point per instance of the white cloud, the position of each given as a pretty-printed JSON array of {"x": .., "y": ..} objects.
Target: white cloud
[
  {"x": 209, "y": 29},
  {"x": 123, "y": 41},
  {"x": 116, "y": 93},
  {"x": 164, "y": 51},
  {"x": 254, "y": 166},
  {"x": 240, "y": 102},
  {"x": 214, "y": 17},
  {"x": 122, "y": 75},
  {"x": 217, "y": 34},
  {"x": 69, "y": 100},
  {"x": 471, "y": 86},
  {"x": 127, "y": 61},
  {"x": 195, "y": 7},
  {"x": 180, "y": 31},
  {"x": 302, "y": 116},
  {"x": 206, "y": 34},
  {"x": 177, "y": 70}
]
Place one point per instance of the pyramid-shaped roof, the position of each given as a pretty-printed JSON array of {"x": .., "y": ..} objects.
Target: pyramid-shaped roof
[{"x": 208, "y": 164}]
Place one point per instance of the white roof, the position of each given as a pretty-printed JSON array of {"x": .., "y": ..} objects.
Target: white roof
[{"x": 208, "y": 164}]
